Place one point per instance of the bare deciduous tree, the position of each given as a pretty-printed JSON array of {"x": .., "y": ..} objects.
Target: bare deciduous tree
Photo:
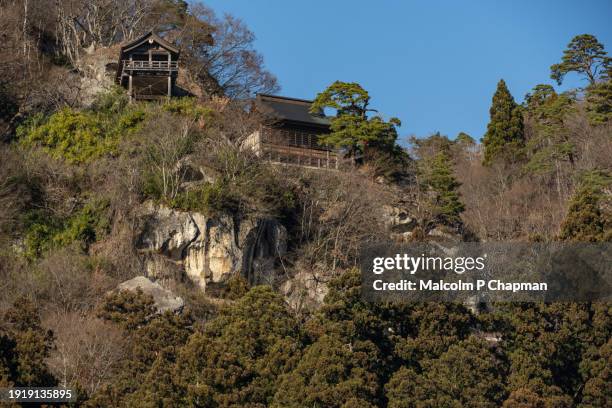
[
  {"x": 168, "y": 141},
  {"x": 230, "y": 66},
  {"x": 87, "y": 350},
  {"x": 99, "y": 23}
]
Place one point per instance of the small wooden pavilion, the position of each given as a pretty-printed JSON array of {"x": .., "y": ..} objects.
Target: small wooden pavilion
[
  {"x": 290, "y": 134},
  {"x": 148, "y": 67}
]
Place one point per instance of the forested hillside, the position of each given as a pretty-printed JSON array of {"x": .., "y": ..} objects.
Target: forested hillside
[{"x": 96, "y": 191}]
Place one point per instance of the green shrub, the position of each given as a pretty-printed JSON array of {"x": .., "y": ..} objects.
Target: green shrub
[
  {"x": 188, "y": 107},
  {"x": 113, "y": 101},
  {"x": 85, "y": 226},
  {"x": 587, "y": 217},
  {"x": 130, "y": 121},
  {"x": 39, "y": 236},
  {"x": 74, "y": 136},
  {"x": 80, "y": 136},
  {"x": 209, "y": 198}
]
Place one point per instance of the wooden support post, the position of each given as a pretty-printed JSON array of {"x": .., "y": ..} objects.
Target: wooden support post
[
  {"x": 130, "y": 87},
  {"x": 169, "y": 76}
]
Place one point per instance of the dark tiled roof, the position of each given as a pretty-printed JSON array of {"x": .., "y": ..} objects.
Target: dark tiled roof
[
  {"x": 145, "y": 37},
  {"x": 289, "y": 109}
]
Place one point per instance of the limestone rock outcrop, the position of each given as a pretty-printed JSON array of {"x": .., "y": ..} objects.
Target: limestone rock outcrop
[
  {"x": 208, "y": 249},
  {"x": 398, "y": 218},
  {"x": 97, "y": 67}
]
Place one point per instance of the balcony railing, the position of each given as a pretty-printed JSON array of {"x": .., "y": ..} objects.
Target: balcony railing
[
  {"x": 292, "y": 138},
  {"x": 284, "y": 150},
  {"x": 150, "y": 65}
]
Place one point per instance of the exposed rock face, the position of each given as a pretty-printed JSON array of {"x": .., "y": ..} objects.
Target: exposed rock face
[
  {"x": 164, "y": 299},
  {"x": 398, "y": 221},
  {"x": 444, "y": 234},
  {"x": 168, "y": 232},
  {"x": 98, "y": 67},
  {"x": 306, "y": 290},
  {"x": 209, "y": 249}
]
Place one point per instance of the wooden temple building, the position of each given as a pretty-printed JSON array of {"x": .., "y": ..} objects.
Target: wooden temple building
[
  {"x": 289, "y": 133},
  {"x": 148, "y": 67}
]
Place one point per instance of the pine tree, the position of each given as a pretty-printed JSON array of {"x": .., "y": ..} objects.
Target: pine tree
[
  {"x": 24, "y": 347},
  {"x": 599, "y": 100},
  {"x": 237, "y": 359},
  {"x": 505, "y": 137},
  {"x": 597, "y": 391},
  {"x": 584, "y": 55},
  {"x": 550, "y": 145},
  {"x": 351, "y": 128},
  {"x": 588, "y": 217}
]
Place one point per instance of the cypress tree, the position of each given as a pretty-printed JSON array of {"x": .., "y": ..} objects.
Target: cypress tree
[
  {"x": 505, "y": 136},
  {"x": 446, "y": 205}
]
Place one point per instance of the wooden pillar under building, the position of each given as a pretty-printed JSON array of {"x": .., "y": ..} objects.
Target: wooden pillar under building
[
  {"x": 169, "y": 75},
  {"x": 130, "y": 87}
]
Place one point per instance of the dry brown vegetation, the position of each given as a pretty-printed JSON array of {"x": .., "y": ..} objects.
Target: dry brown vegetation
[{"x": 506, "y": 202}]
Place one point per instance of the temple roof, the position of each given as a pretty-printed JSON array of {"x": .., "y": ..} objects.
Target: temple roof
[
  {"x": 146, "y": 37},
  {"x": 290, "y": 110}
]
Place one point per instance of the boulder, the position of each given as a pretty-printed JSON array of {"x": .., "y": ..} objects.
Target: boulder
[
  {"x": 163, "y": 298},
  {"x": 398, "y": 219}
]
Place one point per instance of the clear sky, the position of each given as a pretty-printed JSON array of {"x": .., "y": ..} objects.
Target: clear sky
[{"x": 433, "y": 64}]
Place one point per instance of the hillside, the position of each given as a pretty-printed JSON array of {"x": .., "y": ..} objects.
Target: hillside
[{"x": 148, "y": 259}]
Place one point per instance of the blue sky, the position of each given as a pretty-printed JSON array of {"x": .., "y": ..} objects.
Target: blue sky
[{"x": 433, "y": 64}]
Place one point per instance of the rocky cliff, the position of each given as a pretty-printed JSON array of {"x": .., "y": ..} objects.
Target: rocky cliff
[{"x": 208, "y": 249}]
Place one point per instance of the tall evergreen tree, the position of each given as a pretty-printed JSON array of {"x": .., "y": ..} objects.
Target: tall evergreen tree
[
  {"x": 505, "y": 137},
  {"x": 238, "y": 358},
  {"x": 439, "y": 180},
  {"x": 597, "y": 391},
  {"x": 24, "y": 347},
  {"x": 330, "y": 374}
]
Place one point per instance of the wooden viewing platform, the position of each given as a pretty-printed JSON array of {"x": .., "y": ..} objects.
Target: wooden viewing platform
[
  {"x": 148, "y": 67},
  {"x": 291, "y": 147}
]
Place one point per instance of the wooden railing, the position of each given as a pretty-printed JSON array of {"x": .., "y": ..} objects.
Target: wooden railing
[
  {"x": 268, "y": 144},
  {"x": 150, "y": 65},
  {"x": 299, "y": 156},
  {"x": 292, "y": 138}
]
